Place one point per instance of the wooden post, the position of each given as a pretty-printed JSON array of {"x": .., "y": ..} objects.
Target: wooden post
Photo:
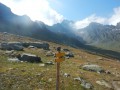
[{"x": 57, "y": 76}]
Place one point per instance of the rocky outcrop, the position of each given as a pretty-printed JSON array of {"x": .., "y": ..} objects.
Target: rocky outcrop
[
  {"x": 36, "y": 44},
  {"x": 29, "y": 58},
  {"x": 20, "y": 45},
  {"x": 93, "y": 67},
  {"x": 11, "y": 46}
]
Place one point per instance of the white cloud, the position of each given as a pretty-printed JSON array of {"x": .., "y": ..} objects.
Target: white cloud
[
  {"x": 113, "y": 20},
  {"x": 85, "y": 22},
  {"x": 35, "y": 9}
]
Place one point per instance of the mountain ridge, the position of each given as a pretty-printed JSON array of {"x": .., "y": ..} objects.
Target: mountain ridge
[{"x": 23, "y": 25}]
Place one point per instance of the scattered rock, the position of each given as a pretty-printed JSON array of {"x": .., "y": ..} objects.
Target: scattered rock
[
  {"x": 49, "y": 63},
  {"x": 31, "y": 46},
  {"x": 104, "y": 83},
  {"x": 9, "y": 52},
  {"x": 66, "y": 50},
  {"x": 49, "y": 53},
  {"x": 78, "y": 79},
  {"x": 69, "y": 54},
  {"x": 100, "y": 58},
  {"x": 107, "y": 72},
  {"x": 93, "y": 67},
  {"x": 39, "y": 74},
  {"x": 84, "y": 83},
  {"x": 116, "y": 85},
  {"x": 42, "y": 65},
  {"x": 66, "y": 75},
  {"x": 13, "y": 60},
  {"x": 50, "y": 79},
  {"x": 30, "y": 58}
]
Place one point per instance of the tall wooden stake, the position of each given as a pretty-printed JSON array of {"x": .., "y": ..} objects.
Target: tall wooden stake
[{"x": 57, "y": 76}]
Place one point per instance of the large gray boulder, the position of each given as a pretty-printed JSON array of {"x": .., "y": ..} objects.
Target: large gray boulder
[
  {"x": 36, "y": 44},
  {"x": 93, "y": 67},
  {"x": 30, "y": 58},
  {"x": 11, "y": 46}
]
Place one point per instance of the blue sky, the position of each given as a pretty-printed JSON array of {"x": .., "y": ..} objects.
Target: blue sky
[
  {"x": 79, "y": 9},
  {"x": 82, "y": 12}
]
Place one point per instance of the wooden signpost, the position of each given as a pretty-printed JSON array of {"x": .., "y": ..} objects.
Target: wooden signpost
[{"x": 59, "y": 58}]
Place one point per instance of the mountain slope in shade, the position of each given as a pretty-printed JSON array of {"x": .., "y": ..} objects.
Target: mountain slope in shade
[{"x": 22, "y": 25}]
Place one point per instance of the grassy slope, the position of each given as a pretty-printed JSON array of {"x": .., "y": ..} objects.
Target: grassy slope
[{"x": 29, "y": 76}]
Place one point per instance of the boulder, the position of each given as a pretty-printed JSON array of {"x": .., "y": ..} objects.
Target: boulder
[
  {"x": 49, "y": 63},
  {"x": 93, "y": 67},
  {"x": 66, "y": 50},
  {"x": 30, "y": 58},
  {"x": 104, "y": 83},
  {"x": 12, "y": 46},
  {"x": 49, "y": 53},
  {"x": 66, "y": 74},
  {"x": 9, "y": 52},
  {"x": 69, "y": 54},
  {"x": 36, "y": 44},
  {"x": 84, "y": 83}
]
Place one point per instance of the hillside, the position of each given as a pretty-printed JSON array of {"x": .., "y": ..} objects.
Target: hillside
[{"x": 41, "y": 76}]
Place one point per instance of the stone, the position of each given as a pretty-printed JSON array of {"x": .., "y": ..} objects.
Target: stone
[
  {"x": 66, "y": 50},
  {"x": 49, "y": 63},
  {"x": 92, "y": 67},
  {"x": 100, "y": 58},
  {"x": 69, "y": 54},
  {"x": 31, "y": 46},
  {"x": 66, "y": 75},
  {"x": 78, "y": 79},
  {"x": 12, "y": 46},
  {"x": 116, "y": 85},
  {"x": 36, "y": 44},
  {"x": 49, "y": 53},
  {"x": 84, "y": 83},
  {"x": 50, "y": 79},
  {"x": 107, "y": 72},
  {"x": 42, "y": 65},
  {"x": 9, "y": 52},
  {"x": 13, "y": 60},
  {"x": 104, "y": 83},
  {"x": 30, "y": 58}
]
